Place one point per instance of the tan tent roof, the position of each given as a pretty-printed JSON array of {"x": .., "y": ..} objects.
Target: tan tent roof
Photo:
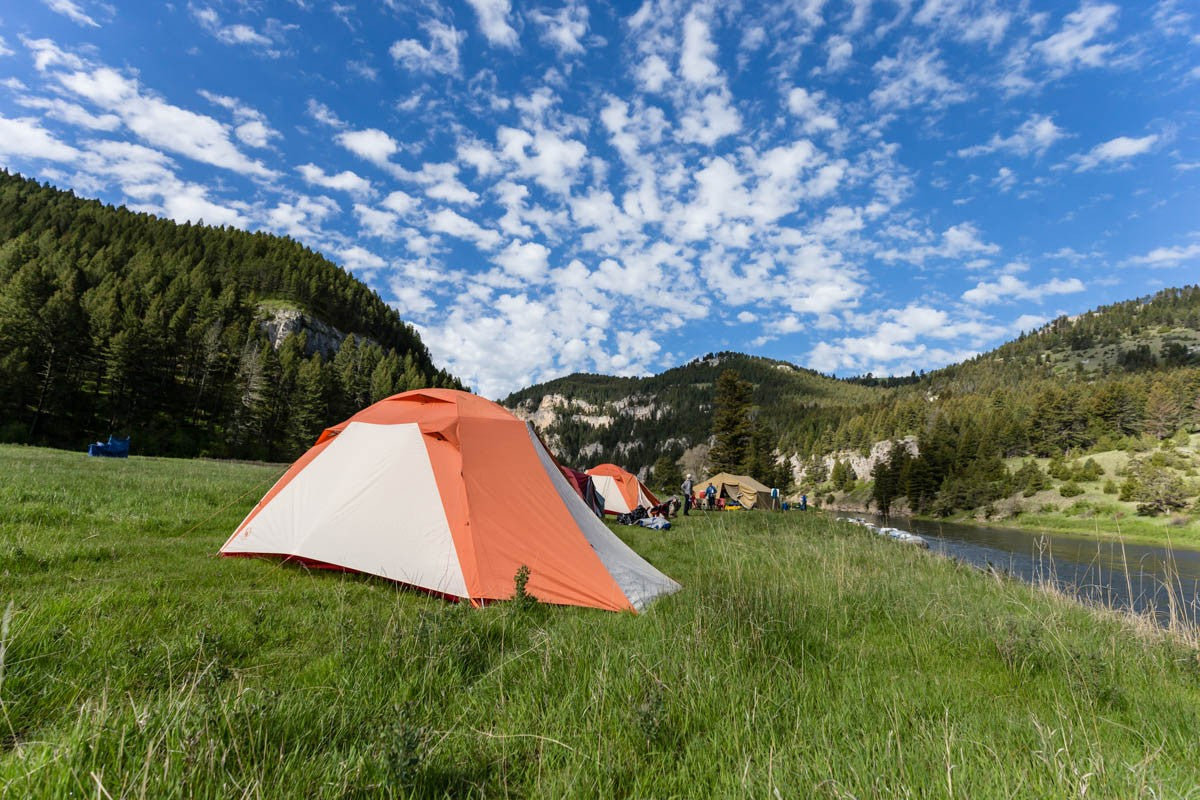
[{"x": 747, "y": 491}]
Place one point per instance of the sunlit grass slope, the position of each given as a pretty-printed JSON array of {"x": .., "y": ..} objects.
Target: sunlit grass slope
[{"x": 802, "y": 657}]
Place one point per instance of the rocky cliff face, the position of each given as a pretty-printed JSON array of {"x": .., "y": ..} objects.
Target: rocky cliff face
[
  {"x": 862, "y": 465},
  {"x": 281, "y": 323}
]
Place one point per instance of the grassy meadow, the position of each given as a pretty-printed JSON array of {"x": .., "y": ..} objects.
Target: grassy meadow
[{"x": 803, "y": 658}]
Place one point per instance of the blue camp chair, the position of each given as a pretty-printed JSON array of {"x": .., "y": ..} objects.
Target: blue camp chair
[{"x": 115, "y": 447}]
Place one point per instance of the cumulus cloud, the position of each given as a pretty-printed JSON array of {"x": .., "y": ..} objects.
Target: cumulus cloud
[
  {"x": 839, "y": 52},
  {"x": 71, "y": 11},
  {"x": 440, "y": 55},
  {"x": 564, "y": 30},
  {"x": 1073, "y": 45},
  {"x": 252, "y": 128},
  {"x": 1035, "y": 135},
  {"x": 1115, "y": 150},
  {"x": 71, "y": 113},
  {"x": 24, "y": 137},
  {"x": 344, "y": 181},
  {"x": 894, "y": 342},
  {"x": 956, "y": 242},
  {"x": 371, "y": 144},
  {"x": 148, "y": 116},
  {"x": 526, "y": 260},
  {"x": 1168, "y": 256},
  {"x": 493, "y": 21},
  {"x": 237, "y": 34},
  {"x": 1010, "y": 287},
  {"x": 807, "y": 106},
  {"x": 916, "y": 76}
]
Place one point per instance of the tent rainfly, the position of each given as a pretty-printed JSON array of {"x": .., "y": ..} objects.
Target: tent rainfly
[
  {"x": 452, "y": 494},
  {"x": 585, "y": 487},
  {"x": 622, "y": 491},
  {"x": 748, "y": 492}
]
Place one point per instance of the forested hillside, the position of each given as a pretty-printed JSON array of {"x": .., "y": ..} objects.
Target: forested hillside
[
  {"x": 1124, "y": 377},
  {"x": 118, "y": 322},
  {"x": 589, "y": 419}
]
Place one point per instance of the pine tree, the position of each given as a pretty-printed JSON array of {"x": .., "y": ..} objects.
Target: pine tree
[{"x": 731, "y": 426}]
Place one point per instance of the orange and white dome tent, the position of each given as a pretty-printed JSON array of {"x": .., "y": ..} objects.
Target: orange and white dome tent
[
  {"x": 450, "y": 493},
  {"x": 621, "y": 490}
]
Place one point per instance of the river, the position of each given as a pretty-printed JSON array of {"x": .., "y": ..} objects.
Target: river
[{"x": 1145, "y": 578}]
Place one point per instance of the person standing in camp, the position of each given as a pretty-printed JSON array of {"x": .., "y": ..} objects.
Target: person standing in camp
[
  {"x": 710, "y": 497},
  {"x": 686, "y": 488}
]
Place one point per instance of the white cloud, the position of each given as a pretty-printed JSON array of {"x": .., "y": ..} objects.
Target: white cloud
[
  {"x": 151, "y": 118},
  {"x": 696, "y": 63},
  {"x": 807, "y": 106},
  {"x": 47, "y": 54},
  {"x": 371, "y": 144},
  {"x": 1035, "y": 135},
  {"x": 238, "y": 34},
  {"x": 454, "y": 224},
  {"x": 840, "y": 51},
  {"x": 189, "y": 203},
  {"x": 344, "y": 181},
  {"x": 72, "y": 11},
  {"x": 915, "y": 76},
  {"x": 545, "y": 156},
  {"x": 564, "y": 29},
  {"x": 526, "y": 260},
  {"x": 957, "y": 242},
  {"x": 441, "y": 55},
  {"x": 323, "y": 114},
  {"x": 73, "y": 114},
  {"x": 25, "y": 138},
  {"x": 1005, "y": 179},
  {"x": 893, "y": 344},
  {"x": 710, "y": 120},
  {"x": 653, "y": 73},
  {"x": 1072, "y": 46},
  {"x": 1010, "y": 287},
  {"x": 493, "y": 21},
  {"x": 377, "y": 222},
  {"x": 1168, "y": 256},
  {"x": 1114, "y": 150},
  {"x": 252, "y": 127},
  {"x": 360, "y": 259}
]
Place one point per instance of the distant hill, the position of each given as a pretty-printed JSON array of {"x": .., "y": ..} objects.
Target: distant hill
[
  {"x": 589, "y": 419},
  {"x": 1121, "y": 377},
  {"x": 195, "y": 340}
]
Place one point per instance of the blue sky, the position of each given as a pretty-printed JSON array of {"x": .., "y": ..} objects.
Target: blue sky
[{"x": 549, "y": 187}]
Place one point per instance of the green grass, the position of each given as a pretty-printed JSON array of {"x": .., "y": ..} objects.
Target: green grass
[{"x": 803, "y": 658}]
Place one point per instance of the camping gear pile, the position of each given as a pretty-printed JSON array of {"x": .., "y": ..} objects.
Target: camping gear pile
[
  {"x": 449, "y": 493},
  {"x": 115, "y": 447}
]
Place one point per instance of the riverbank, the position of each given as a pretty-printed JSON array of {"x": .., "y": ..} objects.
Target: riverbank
[
  {"x": 803, "y": 658},
  {"x": 1076, "y": 498},
  {"x": 1087, "y": 518}
]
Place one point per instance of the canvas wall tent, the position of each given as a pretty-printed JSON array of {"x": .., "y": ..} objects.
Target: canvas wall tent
[
  {"x": 622, "y": 491},
  {"x": 585, "y": 487},
  {"x": 748, "y": 492},
  {"x": 451, "y": 493}
]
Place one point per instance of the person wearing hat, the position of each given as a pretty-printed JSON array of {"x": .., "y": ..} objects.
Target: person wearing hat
[{"x": 686, "y": 488}]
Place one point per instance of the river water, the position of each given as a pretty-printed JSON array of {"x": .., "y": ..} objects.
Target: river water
[{"x": 1145, "y": 578}]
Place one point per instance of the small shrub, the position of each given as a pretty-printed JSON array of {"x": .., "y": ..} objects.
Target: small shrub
[
  {"x": 1070, "y": 489},
  {"x": 1110, "y": 486},
  {"x": 521, "y": 596}
]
